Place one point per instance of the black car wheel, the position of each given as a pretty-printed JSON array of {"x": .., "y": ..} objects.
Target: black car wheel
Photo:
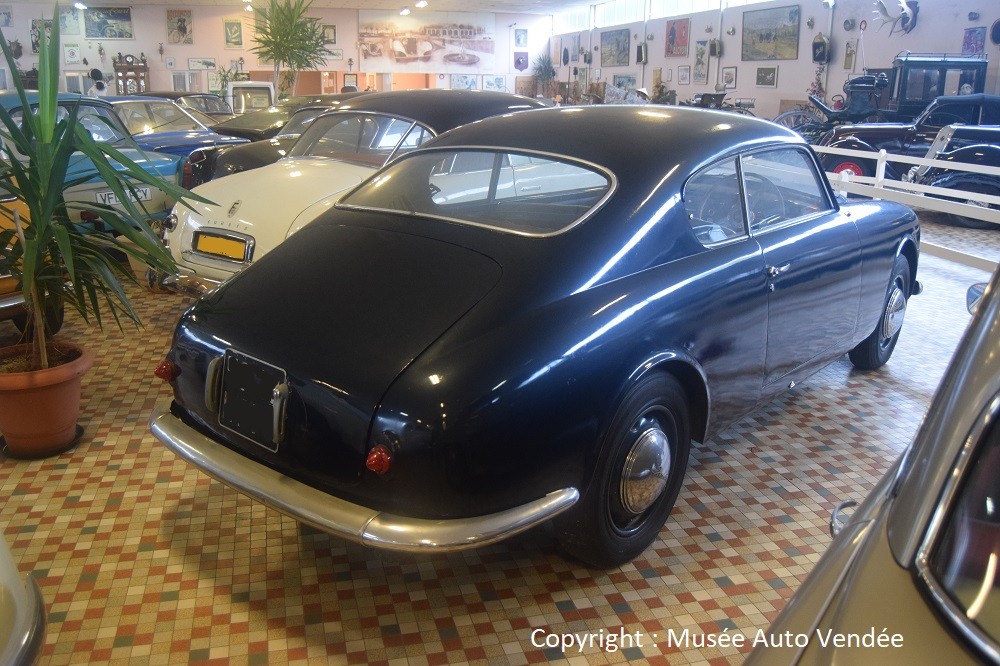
[
  {"x": 874, "y": 351},
  {"x": 975, "y": 188},
  {"x": 54, "y": 317},
  {"x": 637, "y": 478}
]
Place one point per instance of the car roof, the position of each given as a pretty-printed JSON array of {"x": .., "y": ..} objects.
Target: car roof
[
  {"x": 975, "y": 98},
  {"x": 9, "y": 99},
  {"x": 174, "y": 94},
  {"x": 441, "y": 109},
  {"x": 656, "y": 135}
]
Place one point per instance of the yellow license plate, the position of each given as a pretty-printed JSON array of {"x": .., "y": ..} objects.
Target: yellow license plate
[{"x": 230, "y": 248}]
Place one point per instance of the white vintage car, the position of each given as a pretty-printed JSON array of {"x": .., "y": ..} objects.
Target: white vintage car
[{"x": 254, "y": 211}]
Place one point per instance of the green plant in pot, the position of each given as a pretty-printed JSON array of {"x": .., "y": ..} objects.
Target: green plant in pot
[{"x": 59, "y": 262}]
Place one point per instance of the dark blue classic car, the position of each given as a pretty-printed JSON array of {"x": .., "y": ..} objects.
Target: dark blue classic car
[{"x": 528, "y": 320}]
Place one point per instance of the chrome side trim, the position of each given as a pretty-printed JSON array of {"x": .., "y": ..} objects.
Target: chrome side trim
[
  {"x": 13, "y": 303},
  {"x": 345, "y": 519}
]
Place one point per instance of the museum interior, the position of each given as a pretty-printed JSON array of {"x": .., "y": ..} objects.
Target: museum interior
[{"x": 140, "y": 556}]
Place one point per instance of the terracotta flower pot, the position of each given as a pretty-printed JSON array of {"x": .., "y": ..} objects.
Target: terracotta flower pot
[{"x": 39, "y": 409}]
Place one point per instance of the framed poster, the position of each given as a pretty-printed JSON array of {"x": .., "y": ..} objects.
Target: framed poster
[
  {"x": 684, "y": 75},
  {"x": 974, "y": 41},
  {"x": 71, "y": 54},
  {"x": 37, "y": 25},
  {"x": 771, "y": 34},
  {"x": 234, "y": 33},
  {"x": 495, "y": 82},
  {"x": 729, "y": 77},
  {"x": 336, "y": 54},
  {"x": 329, "y": 33},
  {"x": 677, "y": 38},
  {"x": 108, "y": 23},
  {"x": 767, "y": 77},
  {"x": 179, "y": 28},
  {"x": 524, "y": 85},
  {"x": 6, "y": 16},
  {"x": 701, "y": 61},
  {"x": 521, "y": 37},
  {"x": 201, "y": 63},
  {"x": 624, "y": 81},
  {"x": 464, "y": 81},
  {"x": 351, "y": 80},
  {"x": 615, "y": 48},
  {"x": 69, "y": 21},
  {"x": 169, "y": 60}
]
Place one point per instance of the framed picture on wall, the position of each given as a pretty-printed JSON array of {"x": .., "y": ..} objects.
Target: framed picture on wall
[
  {"x": 351, "y": 80},
  {"x": 108, "y": 23},
  {"x": 464, "y": 81},
  {"x": 201, "y": 63},
  {"x": 677, "y": 38},
  {"x": 701, "y": 61},
  {"x": 771, "y": 34},
  {"x": 767, "y": 77},
  {"x": 615, "y": 48},
  {"x": 329, "y": 34},
  {"x": 684, "y": 75},
  {"x": 336, "y": 54},
  {"x": 179, "y": 28},
  {"x": 234, "y": 33},
  {"x": 495, "y": 82},
  {"x": 729, "y": 77},
  {"x": 520, "y": 37}
]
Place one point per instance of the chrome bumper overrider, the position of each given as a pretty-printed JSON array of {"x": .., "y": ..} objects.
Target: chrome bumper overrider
[
  {"x": 189, "y": 284},
  {"x": 340, "y": 517}
]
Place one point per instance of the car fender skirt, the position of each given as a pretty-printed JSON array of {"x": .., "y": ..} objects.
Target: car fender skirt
[{"x": 345, "y": 519}]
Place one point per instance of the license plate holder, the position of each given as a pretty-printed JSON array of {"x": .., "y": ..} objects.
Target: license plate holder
[
  {"x": 226, "y": 247},
  {"x": 111, "y": 199},
  {"x": 254, "y": 394}
]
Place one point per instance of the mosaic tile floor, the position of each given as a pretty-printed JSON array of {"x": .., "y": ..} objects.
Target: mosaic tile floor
[{"x": 142, "y": 559}]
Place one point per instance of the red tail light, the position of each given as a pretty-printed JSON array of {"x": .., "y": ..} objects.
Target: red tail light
[
  {"x": 89, "y": 216},
  {"x": 166, "y": 370},
  {"x": 379, "y": 459}
]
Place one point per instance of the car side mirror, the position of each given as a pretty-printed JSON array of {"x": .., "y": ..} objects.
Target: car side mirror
[{"x": 974, "y": 296}]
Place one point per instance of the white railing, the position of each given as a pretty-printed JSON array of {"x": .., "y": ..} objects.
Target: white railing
[{"x": 920, "y": 196}]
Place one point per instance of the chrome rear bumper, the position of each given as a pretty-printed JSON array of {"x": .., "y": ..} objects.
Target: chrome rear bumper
[{"x": 345, "y": 519}]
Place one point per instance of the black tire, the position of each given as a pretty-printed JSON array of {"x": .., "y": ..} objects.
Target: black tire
[
  {"x": 874, "y": 351},
  {"x": 616, "y": 519},
  {"x": 972, "y": 222},
  {"x": 54, "y": 318}
]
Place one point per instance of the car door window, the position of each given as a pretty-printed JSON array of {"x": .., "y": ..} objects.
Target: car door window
[
  {"x": 964, "y": 561},
  {"x": 713, "y": 204},
  {"x": 781, "y": 185}
]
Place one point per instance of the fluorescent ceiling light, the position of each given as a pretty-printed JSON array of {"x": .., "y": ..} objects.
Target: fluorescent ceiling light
[{"x": 405, "y": 11}]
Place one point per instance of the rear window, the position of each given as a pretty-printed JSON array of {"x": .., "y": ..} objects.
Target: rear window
[{"x": 512, "y": 192}]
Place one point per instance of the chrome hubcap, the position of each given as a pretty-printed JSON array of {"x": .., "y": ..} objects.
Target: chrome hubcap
[
  {"x": 646, "y": 470},
  {"x": 894, "y": 313}
]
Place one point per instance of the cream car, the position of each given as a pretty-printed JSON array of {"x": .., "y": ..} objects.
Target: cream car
[{"x": 256, "y": 210}]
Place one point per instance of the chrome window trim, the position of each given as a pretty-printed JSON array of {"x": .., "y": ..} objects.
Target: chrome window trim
[
  {"x": 951, "y": 610},
  {"x": 612, "y": 188}
]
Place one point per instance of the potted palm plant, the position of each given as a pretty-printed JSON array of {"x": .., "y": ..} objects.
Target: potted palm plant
[{"x": 57, "y": 261}]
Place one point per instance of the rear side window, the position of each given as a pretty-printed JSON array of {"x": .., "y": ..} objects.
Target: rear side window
[
  {"x": 369, "y": 139},
  {"x": 529, "y": 195}
]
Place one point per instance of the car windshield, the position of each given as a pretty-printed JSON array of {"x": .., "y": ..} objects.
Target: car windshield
[
  {"x": 102, "y": 123},
  {"x": 367, "y": 138},
  {"x": 299, "y": 122},
  {"x": 154, "y": 117},
  {"x": 206, "y": 103},
  {"x": 517, "y": 193}
]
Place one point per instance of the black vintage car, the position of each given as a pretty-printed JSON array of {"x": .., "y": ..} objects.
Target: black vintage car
[
  {"x": 529, "y": 320},
  {"x": 217, "y": 161},
  {"x": 266, "y": 123},
  {"x": 969, "y": 145},
  {"x": 911, "y": 139}
]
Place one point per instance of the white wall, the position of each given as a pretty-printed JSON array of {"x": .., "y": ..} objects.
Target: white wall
[
  {"x": 940, "y": 28},
  {"x": 150, "y": 29}
]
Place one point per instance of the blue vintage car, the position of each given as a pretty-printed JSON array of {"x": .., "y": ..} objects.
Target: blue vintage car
[
  {"x": 529, "y": 319},
  {"x": 83, "y": 182},
  {"x": 165, "y": 127}
]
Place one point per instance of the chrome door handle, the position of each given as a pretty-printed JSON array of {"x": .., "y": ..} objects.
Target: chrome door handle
[{"x": 775, "y": 271}]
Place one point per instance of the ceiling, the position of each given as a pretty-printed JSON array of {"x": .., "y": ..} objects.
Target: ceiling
[{"x": 543, "y": 7}]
